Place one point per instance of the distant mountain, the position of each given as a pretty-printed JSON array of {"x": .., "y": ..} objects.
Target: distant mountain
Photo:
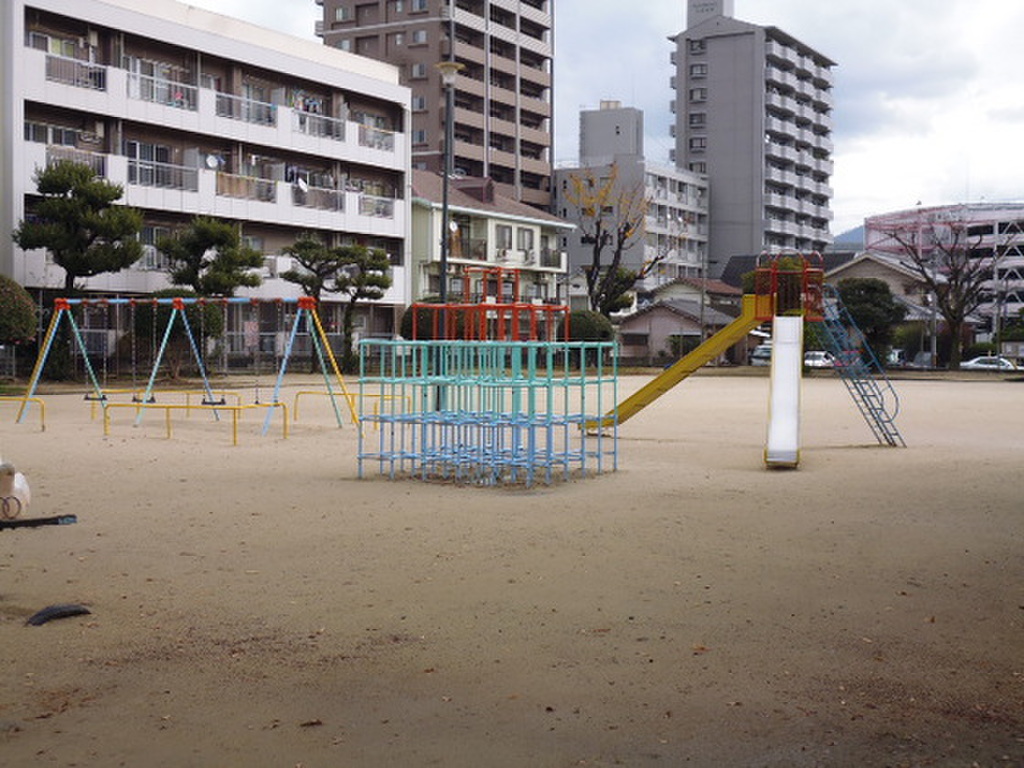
[{"x": 850, "y": 240}]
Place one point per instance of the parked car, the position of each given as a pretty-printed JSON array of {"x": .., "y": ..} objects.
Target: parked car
[
  {"x": 988, "y": 363},
  {"x": 762, "y": 355},
  {"x": 819, "y": 359}
]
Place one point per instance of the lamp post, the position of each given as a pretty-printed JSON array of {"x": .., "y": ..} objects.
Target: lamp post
[{"x": 448, "y": 69}]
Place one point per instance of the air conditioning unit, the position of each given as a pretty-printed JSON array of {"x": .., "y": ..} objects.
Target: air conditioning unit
[{"x": 530, "y": 258}]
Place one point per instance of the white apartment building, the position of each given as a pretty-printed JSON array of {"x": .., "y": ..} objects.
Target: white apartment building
[
  {"x": 195, "y": 113},
  {"x": 675, "y": 229},
  {"x": 753, "y": 110}
]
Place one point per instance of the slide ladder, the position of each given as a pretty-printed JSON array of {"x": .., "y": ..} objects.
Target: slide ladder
[
  {"x": 859, "y": 369},
  {"x": 707, "y": 351}
]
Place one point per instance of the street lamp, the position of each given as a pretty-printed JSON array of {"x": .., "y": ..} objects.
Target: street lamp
[{"x": 448, "y": 69}]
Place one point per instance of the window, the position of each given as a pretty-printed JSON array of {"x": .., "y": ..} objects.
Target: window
[
  {"x": 698, "y": 143},
  {"x": 698, "y": 70},
  {"x": 699, "y": 167},
  {"x": 419, "y": 5},
  {"x": 344, "y": 45},
  {"x": 419, "y": 37},
  {"x": 419, "y": 137},
  {"x": 698, "y": 46},
  {"x": 342, "y": 13},
  {"x": 524, "y": 239},
  {"x": 398, "y": 39},
  {"x": 418, "y": 70},
  {"x": 399, "y": 6},
  {"x": 698, "y": 119},
  {"x": 419, "y": 103},
  {"x": 152, "y": 259},
  {"x": 698, "y": 94},
  {"x": 503, "y": 236}
]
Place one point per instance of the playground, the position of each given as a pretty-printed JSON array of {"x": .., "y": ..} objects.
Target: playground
[{"x": 259, "y": 604}]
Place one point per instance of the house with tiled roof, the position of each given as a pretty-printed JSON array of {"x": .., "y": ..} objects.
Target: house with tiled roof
[
  {"x": 489, "y": 229},
  {"x": 665, "y": 330}
]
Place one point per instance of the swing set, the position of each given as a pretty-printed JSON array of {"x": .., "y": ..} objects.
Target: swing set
[{"x": 305, "y": 316}]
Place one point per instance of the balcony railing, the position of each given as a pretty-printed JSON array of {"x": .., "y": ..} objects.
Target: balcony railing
[
  {"x": 318, "y": 125},
  {"x": 82, "y": 74},
  {"x": 323, "y": 198},
  {"x": 151, "y": 174},
  {"x": 377, "y": 138},
  {"x": 246, "y": 110},
  {"x": 380, "y": 207},
  {"x": 160, "y": 91},
  {"x": 248, "y": 187},
  {"x": 549, "y": 257},
  {"x": 95, "y": 160},
  {"x": 469, "y": 248}
]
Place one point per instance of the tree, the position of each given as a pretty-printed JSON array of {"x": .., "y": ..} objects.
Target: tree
[
  {"x": 78, "y": 223},
  {"x": 364, "y": 275},
  {"x": 610, "y": 219},
  {"x": 17, "y": 312},
  {"x": 871, "y": 304},
  {"x": 943, "y": 247},
  {"x": 209, "y": 257},
  {"x": 318, "y": 264}
]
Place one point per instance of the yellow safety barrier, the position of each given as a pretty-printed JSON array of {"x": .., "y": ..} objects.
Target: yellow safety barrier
[
  {"x": 351, "y": 397},
  {"x": 23, "y": 400},
  {"x": 168, "y": 407}
]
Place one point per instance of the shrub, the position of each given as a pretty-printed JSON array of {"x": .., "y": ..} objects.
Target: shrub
[{"x": 17, "y": 313}]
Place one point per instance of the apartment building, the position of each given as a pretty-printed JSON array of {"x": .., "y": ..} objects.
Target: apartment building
[
  {"x": 675, "y": 228},
  {"x": 992, "y": 233},
  {"x": 753, "y": 110},
  {"x": 196, "y": 113},
  {"x": 503, "y": 106}
]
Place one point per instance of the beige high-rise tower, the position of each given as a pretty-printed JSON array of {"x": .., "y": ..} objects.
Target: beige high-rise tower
[{"x": 502, "y": 95}]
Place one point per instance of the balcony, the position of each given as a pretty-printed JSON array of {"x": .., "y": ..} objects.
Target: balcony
[
  {"x": 145, "y": 173},
  {"x": 321, "y": 198},
  {"x": 246, "y": 187},
  {"x": 97, "y": 161},
  {"x": 166, "y": 92},
  {"x": 246, "y": 110},
  {"x": 376, "y": 138},
  {"x": 81, "y": 74},
  {"x": 319, "y": 126}
]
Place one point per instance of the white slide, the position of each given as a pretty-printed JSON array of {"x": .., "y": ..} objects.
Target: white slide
[{"x": 783, "y": 446}]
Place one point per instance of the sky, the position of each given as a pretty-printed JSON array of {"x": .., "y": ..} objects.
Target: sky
[{"x": 929, "y": 94}]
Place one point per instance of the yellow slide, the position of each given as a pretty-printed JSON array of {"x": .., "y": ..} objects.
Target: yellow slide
[{"x": 709, "y": 350}]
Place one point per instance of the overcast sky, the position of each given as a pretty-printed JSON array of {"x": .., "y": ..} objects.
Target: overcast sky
[{"x": 929, "y": 95}]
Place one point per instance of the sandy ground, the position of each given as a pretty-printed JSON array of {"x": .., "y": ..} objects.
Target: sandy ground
[{"x": 260, "y": 605}]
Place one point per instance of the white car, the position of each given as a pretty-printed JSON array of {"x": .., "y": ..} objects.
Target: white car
[
  {"x": 818, "y": 359},
  {"x": 988, "y": 363}
]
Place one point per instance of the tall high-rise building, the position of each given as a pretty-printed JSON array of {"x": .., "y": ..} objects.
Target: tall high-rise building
[
  {"x": 754, "y": 112},
  {"x": 503, "y": 110}
]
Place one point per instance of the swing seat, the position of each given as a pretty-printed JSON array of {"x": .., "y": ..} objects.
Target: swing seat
[
  {"x": 93, "y": 396},
  {"x": 137, "y": 399},
  {"x": 222, "y": 401}
]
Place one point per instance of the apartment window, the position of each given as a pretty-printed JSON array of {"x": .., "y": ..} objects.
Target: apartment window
[
  {"x": 398, "y": 39},
  {"x": 343, "y": 45},
  {"x": 418, "y": 70},
  {"x": 419, "y": 37},
  {"x": 698, "y": 46},
  {"x": 699, "y": 167},
  {"x": 698, "y": 94},
  {"x": 399, "y": 6},
  {"x": 419, "y": 137},
  {"x": 698, "y": 119},
  {"x": 152, "y": 259},
  {"x": 342, "y": 13},
  {"x": 50, "y": 134},
  {"x": 524, "y": 239},
  {"x": 419, "y": 5},
  {"x": 419, "y": 103},
  {"x": 503, "y": 236},
  {"x": 698, "y": 144},
  {"x": 699, "y": 70}
]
